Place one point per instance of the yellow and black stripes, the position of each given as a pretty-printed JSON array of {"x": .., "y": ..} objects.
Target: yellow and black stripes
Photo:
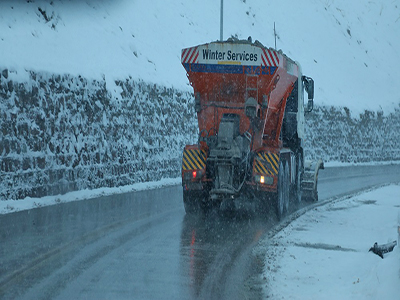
[
  {"x": 194, "y": 159},
  {"x": 266, "y": 163}
]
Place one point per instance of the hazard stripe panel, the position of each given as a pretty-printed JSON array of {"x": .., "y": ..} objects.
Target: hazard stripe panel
[
  {"x": 269, "y": 57},
  {"x": 190, "y": 55},
  {"x": 266, "y": 163},
  {"x": 194, "y": 159}
]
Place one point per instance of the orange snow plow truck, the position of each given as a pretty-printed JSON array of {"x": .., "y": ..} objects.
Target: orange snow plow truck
[{"x": 249, "y": 101}]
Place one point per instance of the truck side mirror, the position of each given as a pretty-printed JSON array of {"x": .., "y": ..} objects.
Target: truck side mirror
[
  {"x": 309, "y": 87},
  {"x": 310, "y": 105}
]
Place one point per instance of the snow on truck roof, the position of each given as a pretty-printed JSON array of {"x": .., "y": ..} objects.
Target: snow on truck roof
[{"x": 230, "y": 56}]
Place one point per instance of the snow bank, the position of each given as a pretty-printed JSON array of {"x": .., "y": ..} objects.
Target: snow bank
[
  {"x": 324, "y": 253},
  {"x": 9, "y": 206}
]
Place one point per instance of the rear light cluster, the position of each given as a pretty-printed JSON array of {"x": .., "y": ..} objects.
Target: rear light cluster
[
  {"x": 264, "y": 179},
  {"x": 195, "y": 174}
]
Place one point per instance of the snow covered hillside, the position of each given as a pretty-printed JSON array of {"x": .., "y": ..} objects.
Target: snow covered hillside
[{"x": 350, "y": 48}]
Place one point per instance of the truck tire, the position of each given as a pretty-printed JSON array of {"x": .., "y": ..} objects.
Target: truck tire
[
  {"x": 192, "y": 201},
  {"x": 280, "y": 197},
  {"x": 286, "y": 188},
  {"x": 299, "y": 176}
]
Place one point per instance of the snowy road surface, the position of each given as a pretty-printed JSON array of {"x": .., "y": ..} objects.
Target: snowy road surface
[{"x": 141, "y": 246}]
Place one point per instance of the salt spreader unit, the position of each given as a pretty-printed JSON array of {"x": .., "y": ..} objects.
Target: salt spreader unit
[{"x": 249, "y": 101}]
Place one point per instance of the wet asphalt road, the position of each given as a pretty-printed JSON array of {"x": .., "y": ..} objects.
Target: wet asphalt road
[{"x": 142, "y": 246}]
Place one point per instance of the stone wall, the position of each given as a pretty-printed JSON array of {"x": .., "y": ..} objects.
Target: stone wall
[
  {"x": 335, "y": 135},
  {"x": 60, "y": 133}
]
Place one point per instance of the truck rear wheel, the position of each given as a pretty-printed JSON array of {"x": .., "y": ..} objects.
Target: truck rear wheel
[
  {"x": 283, "y": 195},
  {"x": 281, "y": 192},
  {"x": 299, "y": 175},
  {"x": 286, "y": 188}
]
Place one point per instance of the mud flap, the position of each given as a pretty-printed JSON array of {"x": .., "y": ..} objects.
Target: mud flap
[{"x": 193, "y": 202}]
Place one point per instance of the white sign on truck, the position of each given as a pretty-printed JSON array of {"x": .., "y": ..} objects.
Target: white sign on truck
[{"x": 230, "y": 54}]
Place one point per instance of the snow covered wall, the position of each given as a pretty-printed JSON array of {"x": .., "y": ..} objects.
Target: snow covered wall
[
  {"x": 333, "y": 134},
  {"x": 61, "y": 133}
]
